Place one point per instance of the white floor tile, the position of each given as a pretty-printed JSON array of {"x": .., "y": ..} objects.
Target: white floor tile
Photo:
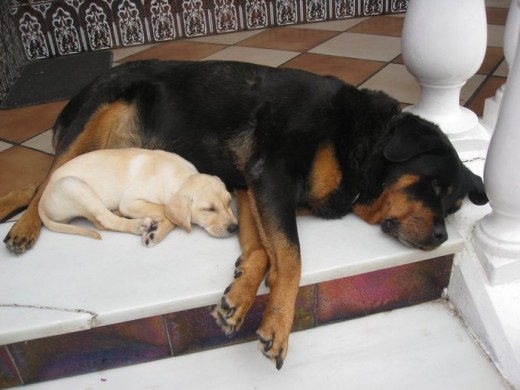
[
  {"x": 502, "y": 70},
  {"x": 123, "y": 52},
  {"x": 470, "y": 87},
  {"x": 365, "y": 46},
  {"x": 395, "y": 80},
  {"x": 228, "y": 38},
  {"x": 41, "y": 142},
  {"x": 255, "y": 55},
  {"x": 495, "y": 35},
  {"x": 421, "y": 347},
  {"x": 4, "y": 146}
]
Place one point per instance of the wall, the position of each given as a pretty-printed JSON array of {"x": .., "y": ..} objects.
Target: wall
[
  {"x": 54, "y": 28},
  {"x": 12, "y": 57}
]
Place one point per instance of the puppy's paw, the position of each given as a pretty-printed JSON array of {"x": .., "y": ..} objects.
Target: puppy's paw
[{"x": 150, "y": 227}]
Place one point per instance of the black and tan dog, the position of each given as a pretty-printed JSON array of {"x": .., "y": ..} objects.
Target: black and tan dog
[{"x": 284, "y": 140}]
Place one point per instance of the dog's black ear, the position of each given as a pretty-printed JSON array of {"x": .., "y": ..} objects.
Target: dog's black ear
[
  {"x": 476, "y": 191},
  {"x": 412, "y": 137}
]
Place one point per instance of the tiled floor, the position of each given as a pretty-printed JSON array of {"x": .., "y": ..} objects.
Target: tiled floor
[{"x": 364, "y": 52}]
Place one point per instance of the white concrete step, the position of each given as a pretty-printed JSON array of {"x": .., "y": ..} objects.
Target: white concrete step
[
  {"x": 420, "y": 347},
  {"x": 71, "y": 283}
]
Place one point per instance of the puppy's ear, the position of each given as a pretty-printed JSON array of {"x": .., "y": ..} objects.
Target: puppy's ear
[
  {"x": 412, "y": 137},
  {"x": 178, "y": 211},
  {"x": 476, "y": 191}
]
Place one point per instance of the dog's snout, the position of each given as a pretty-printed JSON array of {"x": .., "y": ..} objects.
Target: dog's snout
[
  {"x": 232, "y": 228},
  {"x": 439, "y": 233}
]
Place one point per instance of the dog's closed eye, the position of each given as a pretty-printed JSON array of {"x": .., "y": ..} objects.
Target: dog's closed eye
[{"x": 209, "y": 209}]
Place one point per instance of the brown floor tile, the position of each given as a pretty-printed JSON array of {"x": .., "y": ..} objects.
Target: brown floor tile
[
  {"x": 176, "y": 50},
  {"x": 494, "y": 55},
  {"x": 20, "y": 124},
  {"x": 382, "y": 25},
  {"x": 351, "y": 70},
  {"x": 488, "y": 89},
  {"x": 22, "y": 166},
  {"x": 398, "y": 60},
  {"x": 292, "y": 39},
  {"x": 496, "y": 15}
]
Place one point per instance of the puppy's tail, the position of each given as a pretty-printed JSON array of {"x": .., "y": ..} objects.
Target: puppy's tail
[
  {"x": 60, "y": 227},
  {"x": 16, "y": 200}
]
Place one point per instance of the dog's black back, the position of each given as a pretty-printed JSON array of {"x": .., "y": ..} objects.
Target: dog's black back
[{"x": 235, "y": 120}]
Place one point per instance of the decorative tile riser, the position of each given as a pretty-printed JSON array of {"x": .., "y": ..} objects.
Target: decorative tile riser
[
  {"x": 12, "y": 56},
  {"x": 195, "y": 330},
  {"x": 53, "y": 28}
]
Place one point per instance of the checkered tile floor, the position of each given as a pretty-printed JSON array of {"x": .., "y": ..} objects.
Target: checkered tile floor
[{"x": 364, "y": 52}]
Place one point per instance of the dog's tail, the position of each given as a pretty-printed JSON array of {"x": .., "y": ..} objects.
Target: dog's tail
[
  {"x": 60, "y": 227},
  {"x": 15, "y": 200}
]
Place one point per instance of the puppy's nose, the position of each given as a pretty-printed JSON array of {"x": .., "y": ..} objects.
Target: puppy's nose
[{"x": 232, "y": 228}]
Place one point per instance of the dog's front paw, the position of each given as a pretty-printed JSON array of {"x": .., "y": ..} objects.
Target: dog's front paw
[
  {"x": 235, "y": 303},
  {"x": 149, "y": 229},
  {"x": 22, "y": 236},
  {"x": 273, "y": 336},
  {"x": 227, "y": 316}
]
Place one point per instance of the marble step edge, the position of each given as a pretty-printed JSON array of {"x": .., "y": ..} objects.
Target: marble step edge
[{"x": 69, "y": 283}]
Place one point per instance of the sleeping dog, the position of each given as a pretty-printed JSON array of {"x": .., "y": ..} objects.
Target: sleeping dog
[
  {"x": 284, "y": 140},
  {"x": 152, "y": 191}
]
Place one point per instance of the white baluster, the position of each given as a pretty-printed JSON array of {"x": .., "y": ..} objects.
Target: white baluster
[
  {"x": 492, "y": 104},
  {"x": 497, "y": 235},
  {"x": 443, "y": 45}
]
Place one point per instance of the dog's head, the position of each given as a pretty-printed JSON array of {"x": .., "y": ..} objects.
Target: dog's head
[
  {"x": 204, "y": 201},
  {"x": 424, "y": 182}
]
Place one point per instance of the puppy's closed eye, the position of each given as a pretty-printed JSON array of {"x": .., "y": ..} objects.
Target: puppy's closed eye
[{"x": 209, "y": 209}]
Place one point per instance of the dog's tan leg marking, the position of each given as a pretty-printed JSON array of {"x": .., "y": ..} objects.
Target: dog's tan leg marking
[
  {"x": 284, "y": 281},
  {"x": 161, "y": 225},
  {"x": 106, "y": 129},
  {"x": 251, "y": 267},
  {"x": 15, "y": 200},
  {"x": 325, "y": 174}
]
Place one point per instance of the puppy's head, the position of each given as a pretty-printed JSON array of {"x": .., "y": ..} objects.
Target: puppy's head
[
  {"x": 424, "y": 182},
  {"x": 204, "y": 201}
]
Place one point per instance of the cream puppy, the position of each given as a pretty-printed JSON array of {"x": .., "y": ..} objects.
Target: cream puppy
[{"x": 145, "y": 192}]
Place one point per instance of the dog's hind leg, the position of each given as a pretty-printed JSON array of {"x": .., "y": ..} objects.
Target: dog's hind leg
[
  {"x": 15, "y": 200},
  {"x": 250, "y": 269}
]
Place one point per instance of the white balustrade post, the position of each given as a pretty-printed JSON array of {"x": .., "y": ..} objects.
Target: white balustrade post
[
  {"x": 497, "y": 235},
  {"x": 443, "y": 45},
  {"x": 492, "y": 104}
]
